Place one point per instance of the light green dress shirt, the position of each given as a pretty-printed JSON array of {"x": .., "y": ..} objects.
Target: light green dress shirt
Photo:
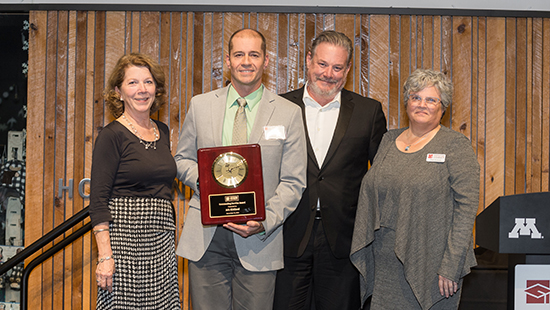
[{"x": 231, "y": 107}]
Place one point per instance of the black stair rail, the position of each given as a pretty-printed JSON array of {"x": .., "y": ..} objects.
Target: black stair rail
[
  {"x": 44, "y": 256},
  {"x": 40, "y": 243}
]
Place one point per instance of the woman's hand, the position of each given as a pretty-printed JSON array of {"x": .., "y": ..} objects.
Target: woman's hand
[
  {"x": 104, "y": 273},
  {"x": 447, "y": 287},
  {"x": 105, "y": 263}
]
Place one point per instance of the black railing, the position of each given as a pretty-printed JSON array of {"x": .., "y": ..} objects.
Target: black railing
[{"x": 39, "y": 244}]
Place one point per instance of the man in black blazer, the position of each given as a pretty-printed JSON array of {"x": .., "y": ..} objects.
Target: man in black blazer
[{"x": 343, "y": 132}]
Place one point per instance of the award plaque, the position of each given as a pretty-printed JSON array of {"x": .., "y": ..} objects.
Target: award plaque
[{"x": 231, "y": 184}]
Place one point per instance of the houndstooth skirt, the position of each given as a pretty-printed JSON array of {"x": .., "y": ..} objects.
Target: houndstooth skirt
[{"x": 143, "y": 243}]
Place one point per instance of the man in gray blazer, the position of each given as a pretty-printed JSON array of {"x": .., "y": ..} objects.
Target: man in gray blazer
[{"x": 234, "y": 266}]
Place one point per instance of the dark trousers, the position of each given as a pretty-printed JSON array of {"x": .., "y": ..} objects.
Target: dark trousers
[{"x": 317, "y": 280}]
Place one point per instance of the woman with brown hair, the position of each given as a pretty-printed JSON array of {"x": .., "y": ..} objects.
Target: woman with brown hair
[{"x": 130, "y": 200}]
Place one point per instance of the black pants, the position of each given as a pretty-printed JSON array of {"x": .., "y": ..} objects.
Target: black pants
[{"x": 317, "y": 280}]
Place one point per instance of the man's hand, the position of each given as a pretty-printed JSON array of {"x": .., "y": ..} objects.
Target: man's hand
[{"x": 245, "y": 230}]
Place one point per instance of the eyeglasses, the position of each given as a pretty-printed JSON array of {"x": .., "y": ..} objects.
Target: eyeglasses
[{"x": 430, "y": 101}]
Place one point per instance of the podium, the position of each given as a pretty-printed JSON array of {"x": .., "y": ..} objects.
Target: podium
[{"x": 517, "y": 225}]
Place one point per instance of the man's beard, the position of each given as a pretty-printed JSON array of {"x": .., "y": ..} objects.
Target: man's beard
[{"x": 326, "y": 93}]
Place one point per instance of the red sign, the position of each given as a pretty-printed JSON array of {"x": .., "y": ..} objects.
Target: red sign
[{"x": 538, "y": 292}]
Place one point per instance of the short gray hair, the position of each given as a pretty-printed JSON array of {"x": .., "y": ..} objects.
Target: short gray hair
[
  {"x": 334, "y": 38},
  {"x": 422, "y": 78}
]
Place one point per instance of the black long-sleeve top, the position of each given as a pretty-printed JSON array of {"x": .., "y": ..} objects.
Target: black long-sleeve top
[{"x": 122, "y": 167}]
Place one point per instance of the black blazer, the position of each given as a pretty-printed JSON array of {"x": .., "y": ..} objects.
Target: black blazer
[{"x": 359, "y": 129}]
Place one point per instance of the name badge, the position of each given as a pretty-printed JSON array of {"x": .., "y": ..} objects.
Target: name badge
[
  {"x": 435, "y": 158},
  {"x": 274, "y": 132}
]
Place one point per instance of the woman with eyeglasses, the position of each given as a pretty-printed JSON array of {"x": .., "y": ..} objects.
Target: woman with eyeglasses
[{"x": 413, "y": 240}]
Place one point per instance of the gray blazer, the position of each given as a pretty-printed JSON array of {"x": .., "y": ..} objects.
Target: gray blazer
[{"x": 284, "y": 164}]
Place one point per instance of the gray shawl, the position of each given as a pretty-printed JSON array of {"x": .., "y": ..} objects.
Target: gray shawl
[{"x": 434, "y": 225}]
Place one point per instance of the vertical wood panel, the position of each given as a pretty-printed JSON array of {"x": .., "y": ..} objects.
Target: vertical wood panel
[
  {"x": 536, "y": 143},
  {"x": 545, "y": 111},
  {"x": 481, "y": 107},
  {"x": 89, "y": 289},
  {"x": 364, "y": 53},
  {"x": 70, "y": 268},
  {"x": 282, "y": 55},
  {"x": 475, "y": 95},
  {"x": 60, "y": 139},
  {"x": 379, "y": 62},
  {"x": 164, "y": 61},
  {"x": 198, "y": 50},
  {"x": 446, "y": 56},
  {"x": 511, "y": 103},
  {"x": 149, "y": 34},
  {"x": 310, "y": 31},
  {"x": 394, "y": 95},
  {"x": 98, "y": 53},
  {"x": 437, "y": 43},
  {"x": 78, "y": 139},
  {"x": 133, "y": 29},
  {"x": 500, "y": 69},
  {"x": 217, "y": 52},
  {"x": 304, "y": 38},
  {"x": 176, "y": 64},
  {"x": 417, "y": 33},
  {"x": 529, "y": 105},
  {"x": 232, "y": 22},
  {"x": 34, "y": 199},
  {"x": 428, "y": 42},
  {"x": 446, "y": 43},
  {"x": 294, "y": 53},
  {"x": 522, "y": 44},
  {"x": 323, "y": 22},
  {"x": 115, "y": 29},
  {"x": 208, "y": 51},
  {"x": 188, "y": 41},
  {"x": 359, "y": 58},
  {"x": 460, "y": 108},
  {"x": 495, "y": 107},
  {"x": 345, "y": 23},
  {"x": 266, "y": 23},
  {"x": 187, "y": 82},
  {"x": 49, "y": 152},
  {"x": 407, "y": 54},
  {"x": 251, "y": 21}
]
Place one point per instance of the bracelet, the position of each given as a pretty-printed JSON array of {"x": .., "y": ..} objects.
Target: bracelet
[
  {"x": 101, "y": 260},
  {"x": 100, "y": 230}
]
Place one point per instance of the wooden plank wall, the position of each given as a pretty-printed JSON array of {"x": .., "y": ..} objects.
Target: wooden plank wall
[{"x": 499, "y": 66}]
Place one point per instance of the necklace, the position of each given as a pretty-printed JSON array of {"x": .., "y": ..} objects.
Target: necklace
[
  {"x": 147, "y": 144},
  {"x": 419, "y": 139}
]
